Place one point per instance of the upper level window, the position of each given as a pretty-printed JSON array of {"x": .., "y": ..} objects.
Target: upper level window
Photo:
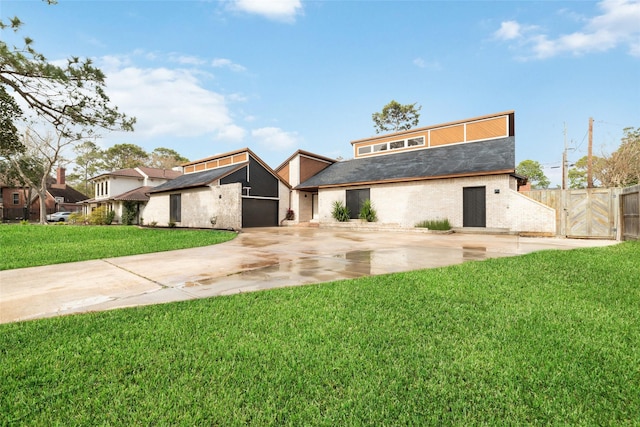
[
  {"x": 380, "y": 147},
  {"x": 415, "y": 141},
  {"x": 393, "y": 145},
  {"x": 364, "y": 150},
  {"x": 16, "y": 198}
]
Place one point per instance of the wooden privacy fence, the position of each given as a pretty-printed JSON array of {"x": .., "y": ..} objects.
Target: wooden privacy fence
[
  {"x": 630, "y": 211},
  {"x": 582, "y": 213}
]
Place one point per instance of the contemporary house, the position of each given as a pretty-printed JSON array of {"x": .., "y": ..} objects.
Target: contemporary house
[
  {"x": 463, "y": 171},
  {"x": 232, "y": 190},
  {"x": 126, "y": 187}
]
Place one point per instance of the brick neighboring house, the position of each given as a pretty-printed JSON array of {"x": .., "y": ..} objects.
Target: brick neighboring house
[
  {"x": 117, "y": 189},
  {"x": 60, "y": 197}
]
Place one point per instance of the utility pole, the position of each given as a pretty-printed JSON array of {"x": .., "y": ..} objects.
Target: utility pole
[
  {"x": 589, "y": 155},
  {"x": 564, "y": 160},
  {"x": 563, "y": 215}
]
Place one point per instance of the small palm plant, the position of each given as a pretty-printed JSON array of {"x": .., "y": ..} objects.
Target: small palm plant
[
  {"x": 367, "y": 212},
  {"x": 340, "y": 212}
]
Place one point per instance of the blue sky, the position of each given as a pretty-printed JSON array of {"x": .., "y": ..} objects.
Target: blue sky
[{"x": 206, "y": 77}]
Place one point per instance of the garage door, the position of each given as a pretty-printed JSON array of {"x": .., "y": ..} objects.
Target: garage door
[{"x": 259, "y": 213}]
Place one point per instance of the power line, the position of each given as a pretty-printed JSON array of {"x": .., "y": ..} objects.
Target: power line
[{"x": 583, "y": 138}]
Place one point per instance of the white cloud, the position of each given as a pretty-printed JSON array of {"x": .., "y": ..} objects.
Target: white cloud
[
  {"x": 169, "y": 102},
  {"x": 277, "y": 10},
  {"x": 617, "y": 25},
  {"x": 186, "y": 60},
  {"x": 509, "y": 30},
  {"x": 227, "y": 63},
  {"x": 422, "y": 63},
  {"x": 275, "y": 138},
  {"x": 232, "y": 133}
]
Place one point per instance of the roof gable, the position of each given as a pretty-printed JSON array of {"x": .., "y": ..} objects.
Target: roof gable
[
  {"x": 130, "y": 173},
  {"x": 472, "y": 158},
  {"x": 306, "y": 154},
  {"x": 160, "y": 173},
  {"x": 141, "y": 172}
]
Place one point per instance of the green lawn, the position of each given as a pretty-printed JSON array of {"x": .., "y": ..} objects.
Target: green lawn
[
  {"x": 549, "y": 338},
  {"x": 33, "y": 245}
]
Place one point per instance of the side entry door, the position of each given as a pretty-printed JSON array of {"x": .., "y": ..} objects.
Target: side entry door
[{"x": 474, "y": 211}]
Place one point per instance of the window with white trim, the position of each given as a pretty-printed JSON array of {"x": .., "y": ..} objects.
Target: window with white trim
[
  {"x": 412, "y": 142},
  {"x": 392, "y": 145}
]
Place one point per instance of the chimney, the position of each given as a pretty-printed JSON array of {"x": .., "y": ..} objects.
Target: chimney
[{"x": 61, "y": 178}]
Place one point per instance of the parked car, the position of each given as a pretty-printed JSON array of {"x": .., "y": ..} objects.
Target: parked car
[{"x": 59, "y": 217}]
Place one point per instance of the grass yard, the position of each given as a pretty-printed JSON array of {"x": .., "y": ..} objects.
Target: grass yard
[
  {"x": 33, "y": 245},
  {"x": 547, "y": 338}
]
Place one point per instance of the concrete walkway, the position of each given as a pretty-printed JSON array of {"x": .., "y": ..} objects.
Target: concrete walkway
[{"x": 257, "y": 259}]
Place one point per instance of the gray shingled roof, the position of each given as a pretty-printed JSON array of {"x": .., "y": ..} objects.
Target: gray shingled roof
[
  {"x": 469, "y": 158},
  {"x": 69, "y": 194},
  {"x": 139, "y": 194},
  {"x": 197, "y": 179}
]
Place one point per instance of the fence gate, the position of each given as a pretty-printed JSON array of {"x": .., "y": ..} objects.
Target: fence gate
[{"x": 591, "y": 213}]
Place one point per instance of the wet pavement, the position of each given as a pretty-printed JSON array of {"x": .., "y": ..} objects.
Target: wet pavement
[{"x": 257, "y": 259}]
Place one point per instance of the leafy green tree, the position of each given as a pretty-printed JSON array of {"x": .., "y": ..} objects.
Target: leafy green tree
[
  {"x": 578, "y": 173},
  {"x": 166, "y": 158},
  {"x": 10, "y": 113},
  {"x": 395, "y": 117},
  {"x": 533, "y": 171},
  {"x": 71, "y": 98},
  {"x": 88, "y": 163},
  {"x": 124, "y": 156}
]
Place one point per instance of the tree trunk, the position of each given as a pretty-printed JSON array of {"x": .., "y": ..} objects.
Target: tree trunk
[{"x": 42, "y": 193}]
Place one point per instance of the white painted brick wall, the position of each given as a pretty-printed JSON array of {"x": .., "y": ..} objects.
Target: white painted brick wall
[
  {"x": 199, "y": 206},
  {"x": 284, "y": 194},
  {"x": 156, "y": 209},
  {"x": 406, "y": 204}
]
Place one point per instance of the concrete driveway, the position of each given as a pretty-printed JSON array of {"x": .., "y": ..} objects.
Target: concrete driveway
[{"x": 257, "y": 259}]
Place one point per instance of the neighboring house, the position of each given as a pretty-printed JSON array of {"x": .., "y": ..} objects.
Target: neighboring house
[
  {"x": 13, "y": 202},
  {"x": 60, "y": 197},
  {"x": 463, "y": 171},
  {"x": 231, "y": 191},
  {"x": 115, "y": 190}
]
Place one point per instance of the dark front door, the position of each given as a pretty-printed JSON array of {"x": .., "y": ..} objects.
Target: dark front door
[{"x": 474, "y": 213}]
